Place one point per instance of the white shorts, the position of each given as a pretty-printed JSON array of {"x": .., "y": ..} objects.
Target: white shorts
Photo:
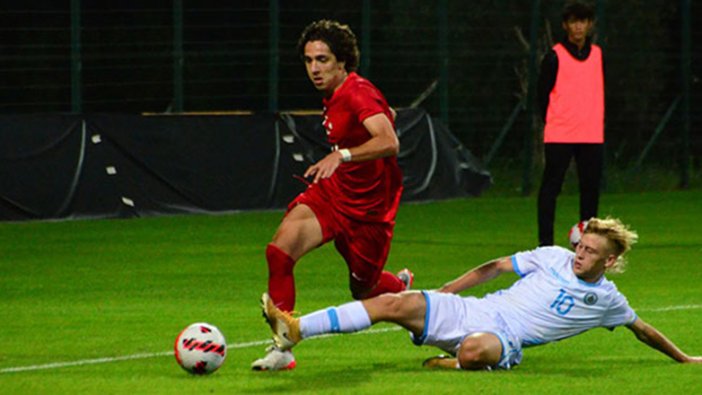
[{"x": 450, "y": 318}]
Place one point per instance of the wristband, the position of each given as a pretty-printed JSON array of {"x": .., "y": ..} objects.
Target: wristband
[{"x": 345, "y": 155}]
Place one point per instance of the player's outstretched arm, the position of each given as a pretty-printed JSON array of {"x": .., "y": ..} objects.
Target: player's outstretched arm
[
  {"x": 479, "y": 275},
  {"x": 655, "y": 339}
]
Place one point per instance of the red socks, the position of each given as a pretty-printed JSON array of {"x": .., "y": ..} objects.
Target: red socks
[
  {"x": 388, "y": 282},
  {"x": 281, "y": 283}
]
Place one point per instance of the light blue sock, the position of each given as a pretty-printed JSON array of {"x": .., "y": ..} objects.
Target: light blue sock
[{"x": 349, "y": 317}]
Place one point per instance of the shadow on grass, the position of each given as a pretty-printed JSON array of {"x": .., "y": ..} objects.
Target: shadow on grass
[
  {"x": 321, "y": 380},
  {"x": 586, "y": 368}
]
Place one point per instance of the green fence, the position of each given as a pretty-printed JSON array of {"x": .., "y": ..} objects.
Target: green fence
[{"x": 472, "y": 64}]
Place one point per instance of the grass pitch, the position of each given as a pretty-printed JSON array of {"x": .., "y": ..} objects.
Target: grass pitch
[{"x": 95, "y": 306}]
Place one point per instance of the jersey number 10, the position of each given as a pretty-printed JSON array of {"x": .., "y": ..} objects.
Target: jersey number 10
[{"x": 563, "y": 303}]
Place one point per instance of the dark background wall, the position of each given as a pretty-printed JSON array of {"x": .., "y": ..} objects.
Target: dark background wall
[
  {"x": 56, "y": 166},
  {"x": 478, "y": 49}
]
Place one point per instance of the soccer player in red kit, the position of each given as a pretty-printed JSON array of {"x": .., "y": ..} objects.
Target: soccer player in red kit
[{"x": 354, "y": 191}]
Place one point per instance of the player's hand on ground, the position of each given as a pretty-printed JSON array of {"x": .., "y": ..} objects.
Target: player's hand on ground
[{"x": 325, "y": 167}]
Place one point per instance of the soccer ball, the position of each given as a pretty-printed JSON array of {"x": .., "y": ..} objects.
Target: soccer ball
[
  {"x": 200, "y": 348},
  {"x": 576, "y": 232}
]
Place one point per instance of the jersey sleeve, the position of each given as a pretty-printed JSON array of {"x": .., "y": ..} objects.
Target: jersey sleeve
[
  {"x": 366, "y": 101},
  {"x": 526, "y": 262},
  {"x": 619, "y": 312}
]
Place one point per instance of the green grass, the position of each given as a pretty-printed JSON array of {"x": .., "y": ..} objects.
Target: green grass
[{"x": 82, "y": 290}]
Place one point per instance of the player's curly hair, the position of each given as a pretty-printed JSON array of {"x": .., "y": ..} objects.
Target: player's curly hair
[
  {"x": 340, "y": 39},
  {"x": 620, "y": 237}
]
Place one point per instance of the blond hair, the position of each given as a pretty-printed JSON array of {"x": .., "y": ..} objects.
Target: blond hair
[{"x": 620, "y": 238}]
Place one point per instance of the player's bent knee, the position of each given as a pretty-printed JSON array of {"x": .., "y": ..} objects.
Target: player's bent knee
[
  {"x": 281, "y": 246},
  {"x": 470, "y": 360},
  {"x": 281, "y": 240},
  {"x": 479, "y": 351}
]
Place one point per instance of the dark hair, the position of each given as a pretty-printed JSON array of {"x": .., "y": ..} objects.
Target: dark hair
[
  {"x": 340, "y": 39},
  {"x": 578, "y": 10}
]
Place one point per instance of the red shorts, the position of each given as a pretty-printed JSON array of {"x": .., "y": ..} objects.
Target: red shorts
[{"x": 363, "y": 245}]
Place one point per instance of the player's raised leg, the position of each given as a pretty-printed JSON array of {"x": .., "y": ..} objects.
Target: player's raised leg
[
  {"x": 406, "y": 309},
  {"x": 365, "y": 248},
  {"x": 298, "y": 233}
]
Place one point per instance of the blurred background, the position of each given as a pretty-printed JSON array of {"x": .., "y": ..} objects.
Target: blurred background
[{"x": 472, "y": 65}]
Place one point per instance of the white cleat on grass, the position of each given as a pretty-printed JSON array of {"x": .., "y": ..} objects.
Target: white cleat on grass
[{"x": 275, "y": 359}]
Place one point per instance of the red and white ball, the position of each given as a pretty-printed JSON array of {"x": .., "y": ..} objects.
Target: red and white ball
[
  {"x": 576, "y": 232},
  {"x": 200, "y": 348}
]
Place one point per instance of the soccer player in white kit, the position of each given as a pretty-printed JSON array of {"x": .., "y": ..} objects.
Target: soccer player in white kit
[{"x": 560, "y": 294}]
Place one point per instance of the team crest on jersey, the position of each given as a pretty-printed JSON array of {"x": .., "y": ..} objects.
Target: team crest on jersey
[{"x": 590, "y": 298}]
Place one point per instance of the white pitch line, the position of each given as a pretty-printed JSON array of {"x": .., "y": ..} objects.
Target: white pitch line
[
  {"x": 95, "y": 361},
  {"x": 671, "y": 308},
  {"x": 57, "y": 365}
]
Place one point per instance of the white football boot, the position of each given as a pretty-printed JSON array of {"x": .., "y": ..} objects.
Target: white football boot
[
  {"x": 275, "y": 359},
  {"x": 407, "y": 277}
]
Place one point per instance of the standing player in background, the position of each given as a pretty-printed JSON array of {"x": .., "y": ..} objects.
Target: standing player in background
[
  {"x": 560, "y": 294},
  {"x": 355, "y": 190},
  {"x": 571, "y": 96}
]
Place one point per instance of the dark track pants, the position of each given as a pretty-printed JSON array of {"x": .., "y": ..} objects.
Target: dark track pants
[{"x": 589, "y": 161}]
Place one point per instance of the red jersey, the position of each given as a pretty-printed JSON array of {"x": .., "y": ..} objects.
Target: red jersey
[{"x": 369, "y": 190}]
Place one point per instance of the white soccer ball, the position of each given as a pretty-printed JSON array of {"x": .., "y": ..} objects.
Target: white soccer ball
[
  {"x": 576, "y": 232},
  {"x": 200, "y": 348}
]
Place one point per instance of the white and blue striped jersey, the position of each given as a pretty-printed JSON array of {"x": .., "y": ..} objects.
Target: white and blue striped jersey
[{"x": 551, "y": 303}]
